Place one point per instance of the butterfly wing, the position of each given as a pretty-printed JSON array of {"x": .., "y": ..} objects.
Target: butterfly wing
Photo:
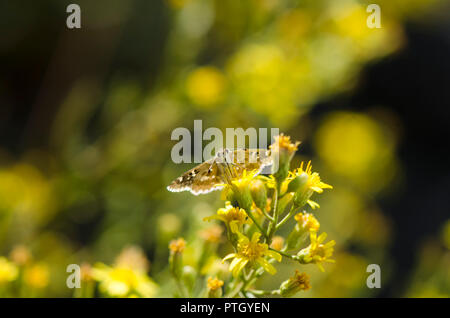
[
  {"x": 250, "y": 160},
  {"x": 201, "y": 179},
  {"x": 208, "y": 176}
]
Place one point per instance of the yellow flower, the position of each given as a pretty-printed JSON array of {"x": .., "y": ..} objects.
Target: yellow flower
[
  {"x": 300, "y": 281},
  {"x": 21, "y": 255},
  {"x": 307, "y": 222},
  {"x": 308, "y": 182},
  {"x": 283, "y": 143},
  {"x": 230, "y": 215},
  {"x": 271, "y": 182},
  {"x": 214, "y": 287},
  {"x": 134, "y": 258},
  {"x": 251, "y": 252},
  {"x": 316, "y": 252},
  {"x": 205, "y": 86},
  {"x": 259, "y": 193},
  {"x": 243, "y": 181},
  {"x": 8, "y": 271},
  {"x": 212, "y": 234},
  {"x": 214, "y": 283},
  {"x": 282, "y": 152},
  {"x": 239, "y": 185},
  {"x": 175, "y": 259},
  {"x": 314, "y": 182},
  {"x": 86, "y": 272},
  {"x": 177, "y": 246},
  {"x": 277, "y": 243},
  {"x": 123, "y": 281},
  {"x": 36, "y": 276}
]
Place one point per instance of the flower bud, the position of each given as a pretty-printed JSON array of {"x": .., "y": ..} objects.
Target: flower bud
[
  {"x": 306, "y": 223},
  {"x": 214, "y": 287},
  {"x": 284, "y": 202},
  {"x": 303, "y": 192},
  {"x": 241, "y": 189},
  {"x": 296, "y": 238},
  {"x": 86, "y": 272},
  {"x": 21, "y": 255},
  {"x": 277, "y": 243},
  {"x": 298, "y": 182},
  {"x": 228, "y": 195},
  {"x": 175, "y": 259},
  {"x": 244, "y": 198},
  {"x": 259, "y": 193},
  {"x": 282, "y": 152},
  {"x": 300, "y": 281},
  {"x": 317, "y": 252}
]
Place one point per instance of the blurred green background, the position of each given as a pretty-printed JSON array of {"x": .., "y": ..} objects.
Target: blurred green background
[{"x": 86, "y": 117}]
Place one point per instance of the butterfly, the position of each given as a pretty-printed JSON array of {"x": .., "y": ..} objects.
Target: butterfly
[{"x": 227, "y": 164}]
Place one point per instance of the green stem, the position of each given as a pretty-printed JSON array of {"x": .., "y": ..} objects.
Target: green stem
[
  {"x": 272, "y": 225},
  {"x": 287, "y": 217},
  {"x": 264, "y": 292},
  {"x": 266, "y": 215},
  {"x": 247, "y": 280},
  {"x": 250, "y": 214},
  {"x": 182, "y": 289},
  {"x": 293, "y": 257}
]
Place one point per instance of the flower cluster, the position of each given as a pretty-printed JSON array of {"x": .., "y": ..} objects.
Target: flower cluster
[
  {"x": 126, "y": 278},
  {"x": 21, "y": 275},
  {"x": 256, "y": 208}
]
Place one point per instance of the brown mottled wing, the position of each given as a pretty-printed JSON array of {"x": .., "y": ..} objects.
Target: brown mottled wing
[
  {"x": 204, "y": 178},
  {"x": 251, "y": 159}
]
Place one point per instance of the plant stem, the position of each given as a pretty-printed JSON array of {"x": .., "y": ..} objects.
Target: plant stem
[
  {"x": 293, "y": 257},
  {"x": 273, "y": 223},
  {"x": 250, "y": 214},
  {"x": 264, "y": 292},
  {"x": 266, "y": 214},
  {"x": 287, "y": 217}
]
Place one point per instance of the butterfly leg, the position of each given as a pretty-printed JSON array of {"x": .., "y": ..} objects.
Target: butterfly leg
[
  {"x": 231, "y": 165},
  {"x": 225, "y": 172}
]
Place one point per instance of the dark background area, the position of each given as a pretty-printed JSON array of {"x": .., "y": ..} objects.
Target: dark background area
[{"x": 414, "y": 82}]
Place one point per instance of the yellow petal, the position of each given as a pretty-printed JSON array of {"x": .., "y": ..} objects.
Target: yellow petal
[
  {"x": 238, "y": 268},
  {"x": 267, "y": 266},
  {"x": 317, "y": 189},
  {"x": 321, "y": 267},
  {"x": 234, "y": 263},
  {"x": 322, "y": 237},
  {"x": 233, "y": 226},
  {"x": 313, "y": 204},
  {"x": 229, "y": 256},
  {"x": 255, "y": 237},
  {"x": 274, "y": 255},
  {"x": 325, "y": 186}
]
